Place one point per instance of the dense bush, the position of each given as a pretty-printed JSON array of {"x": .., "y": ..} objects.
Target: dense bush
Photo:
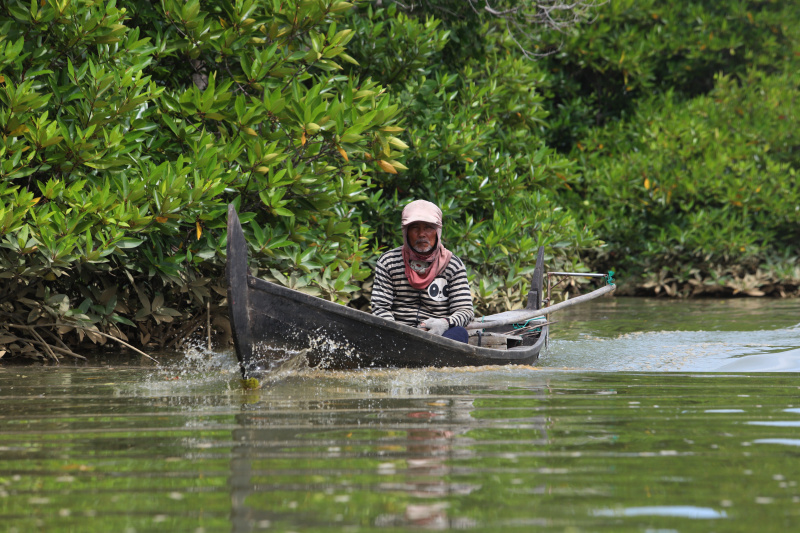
[
  {"x": 127, "y": 130},
  {"x": 637, "y": 48},
  {"x": 682, "y": 119},
  {"x": 711, "y": 184}
]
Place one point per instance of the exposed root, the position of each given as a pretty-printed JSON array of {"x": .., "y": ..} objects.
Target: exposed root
[
  {"x": 51, "y": 349},
  {"x": 39, "y": 341},
  {"x": 113, "y": 338}
]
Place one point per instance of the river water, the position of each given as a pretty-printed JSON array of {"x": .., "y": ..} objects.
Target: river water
[{"x": 642, "y": 415}]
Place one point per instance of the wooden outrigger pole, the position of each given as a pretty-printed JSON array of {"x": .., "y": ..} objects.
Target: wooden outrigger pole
[{"x": 516, "y": 317}]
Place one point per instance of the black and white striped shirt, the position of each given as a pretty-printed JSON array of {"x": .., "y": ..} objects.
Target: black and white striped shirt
[{"x": 447, "y": 296}]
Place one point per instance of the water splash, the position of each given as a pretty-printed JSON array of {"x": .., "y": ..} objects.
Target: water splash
[
  {"x": 278, "y": 363},
  {"x": 196, "y": 370}
]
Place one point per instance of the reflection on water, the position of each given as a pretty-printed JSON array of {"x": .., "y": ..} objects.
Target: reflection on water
[
  {"x": 116, "y": 447},
  {"x": 488, "y": 450}
]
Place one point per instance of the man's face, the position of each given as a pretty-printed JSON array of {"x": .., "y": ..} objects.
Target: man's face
[{"x": 422, "y": 236}]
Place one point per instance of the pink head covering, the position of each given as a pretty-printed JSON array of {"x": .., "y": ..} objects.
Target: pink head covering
[
  {"x": 422, "y": 211},
  {"x": 420, "y": 276}
]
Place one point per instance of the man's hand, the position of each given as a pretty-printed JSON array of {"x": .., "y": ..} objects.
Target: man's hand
[{"x": 437, "y": 326}]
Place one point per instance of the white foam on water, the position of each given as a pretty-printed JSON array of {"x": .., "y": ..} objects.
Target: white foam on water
[
  {"x": 685, "y": 511},
  {"x": 680, "y": 351},
  {"x": 788, "y": 361},
  {"x": 784, "y": 442}
]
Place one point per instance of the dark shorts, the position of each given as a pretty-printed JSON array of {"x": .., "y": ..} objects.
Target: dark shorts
[{"x": 457, "y": 333}]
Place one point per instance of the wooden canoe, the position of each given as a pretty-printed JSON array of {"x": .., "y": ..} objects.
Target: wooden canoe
[{"x": 270, "y": 321}]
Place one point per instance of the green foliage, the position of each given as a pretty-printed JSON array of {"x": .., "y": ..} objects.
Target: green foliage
[
  {"x": 712, "y": 183},
  {"x": 127, "y": 130},
  {"x": 635, "y": 48},
  {"x": 475, "y": 147},
  {"x": 679, "y": 118}
]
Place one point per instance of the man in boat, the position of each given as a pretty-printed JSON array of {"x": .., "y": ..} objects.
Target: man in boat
[{"x": 421, "y": 283}]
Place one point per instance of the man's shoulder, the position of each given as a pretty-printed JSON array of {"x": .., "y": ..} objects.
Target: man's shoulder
[
  {"x": 456, "y": 264},
  {"x": 392, "y": 255}
]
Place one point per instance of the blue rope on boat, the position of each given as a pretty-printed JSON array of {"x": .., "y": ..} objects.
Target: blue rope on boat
[
  {"x": 525, "y": 325},
  {"x": 610, "y": 278}
]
